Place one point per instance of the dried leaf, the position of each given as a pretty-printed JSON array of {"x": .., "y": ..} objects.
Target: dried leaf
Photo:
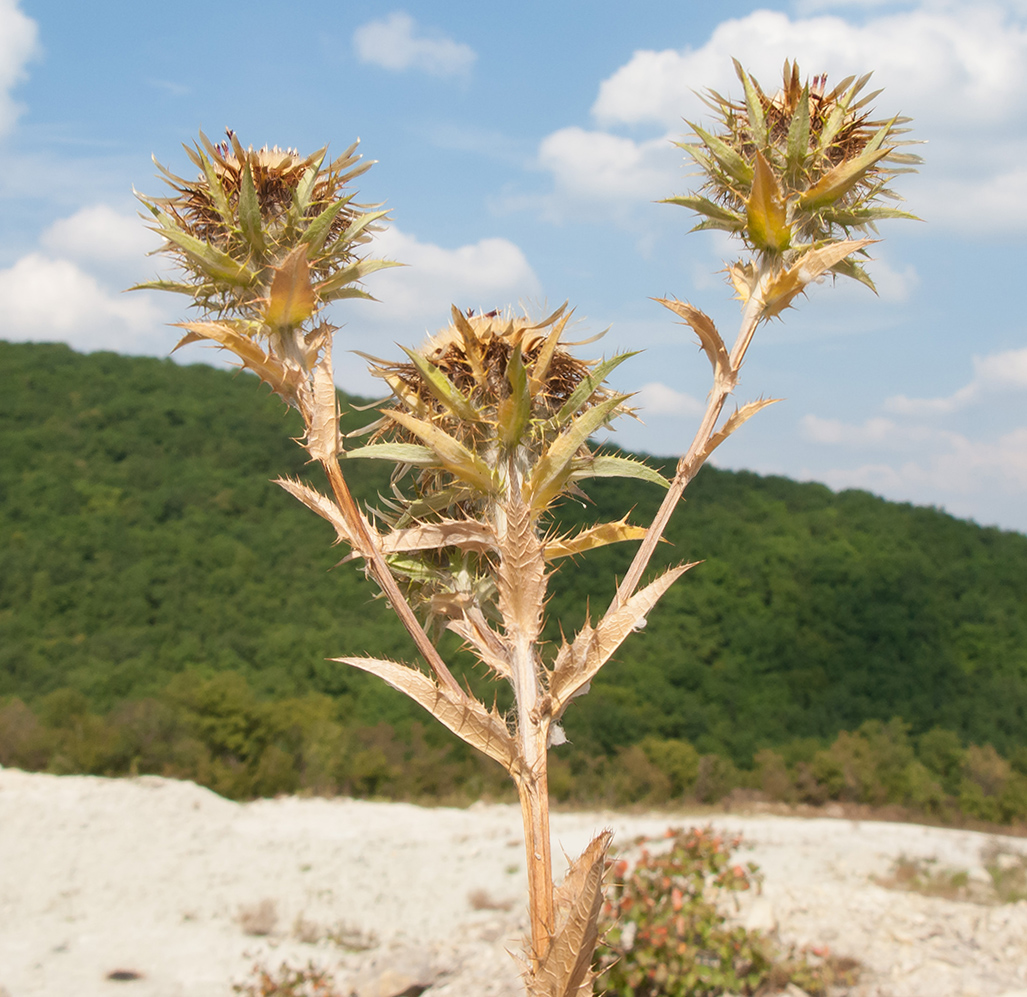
[
  {"x": 577, "y": 663},
  {"x": 786, "y": 285},
  {"x": 466, "y": 534},
  {"x": 318, "y": 503},
  {"x": 472, "y": 348},
  {"x": 709, "y": 339},
  {"x": 540, "y": 368},
  {"x": 323, "y": 441},
  {"x": 735, "y": 420},
  {"x": 485, "y": 642},
  {"x": 594, "y": 536},
  {"x": 566, "y": 970},
  {"x": 766, "y": 211},
  {"x": 286, "y": 381},
  {"x": 464, "y": 715},
  {"x": 292, "y": 299}
]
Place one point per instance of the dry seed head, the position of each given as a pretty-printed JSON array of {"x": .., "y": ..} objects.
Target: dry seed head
[
  {"x": 231, "y": 227},
  {"x": 797, "y": 168}
]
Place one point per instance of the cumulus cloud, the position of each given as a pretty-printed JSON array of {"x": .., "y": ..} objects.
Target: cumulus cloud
[
  {"x": 46, "y": 299},
  {"x": 18, "y": 44},
  {"x": 1004, "y": 371},
  {"x": 396, "y": 43},
  {"x": 598, "y": 165},
  {"x": 487, "y": 274},
  {"x": 657, "y": 399},
  {"x": 99, "y": 234}
]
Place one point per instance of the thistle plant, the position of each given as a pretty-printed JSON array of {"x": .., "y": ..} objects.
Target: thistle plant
[{"x": 488, "y": 423}]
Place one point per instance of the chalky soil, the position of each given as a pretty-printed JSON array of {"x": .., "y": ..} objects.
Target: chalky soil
[{"x": 142, "y": 888}]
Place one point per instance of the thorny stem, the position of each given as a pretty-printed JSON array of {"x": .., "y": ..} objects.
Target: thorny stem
[
  {"x": 371, "y": 551},
  {"x": 694, "y": 458}
]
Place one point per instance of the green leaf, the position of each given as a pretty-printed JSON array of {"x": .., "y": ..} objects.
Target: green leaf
[
  {"x": 217, "y": 192},
  {"x": 515, "y": 410},
  {"x": 317, "y": 231},
  {"x": 765, "y": 211},
  {"x": 850, "y": 268},
  {"x": 328, "y": 288},
  {"x": 587, "y": 387},
  {"x": 610, "y": 466},
  {"x": 554, "y": 468},
  {"x": 737, "y": 168},
  {"x": 714, "y": 211},
  {"x": 398, "y": 453},
  {"x": 249, "y": 211},
  {"x": 836, "y": 183},
  {"x": 754, "y": 106},
  {"x": 797, "y": 149},
  {"x": 452, "y": 454},
  {"x": 215, "y": 263},
  {"x": 305, "y": 188}
]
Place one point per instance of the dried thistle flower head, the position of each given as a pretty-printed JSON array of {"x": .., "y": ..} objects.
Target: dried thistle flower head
[
  {"x": 796, "y": 170},
  {"x": 249, "y": 214},
  {"x": 492, "y": 409}
]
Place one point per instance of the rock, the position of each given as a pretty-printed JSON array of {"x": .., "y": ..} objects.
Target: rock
[
  {"x": 398, "y": 972},
  {"x": 760, "y": 916}
]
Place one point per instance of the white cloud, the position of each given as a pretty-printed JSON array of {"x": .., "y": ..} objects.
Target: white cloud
[
  {"x": 17, "y": 46},
  {"x": 395, "y": 43},
  {"x": 656, "y": 398},
  {"x": 99, "y": 234},
  {"x": 1005, "y": 371},
  {"x": 487, "y": 274},
  {"x": 597, "y": 165},
  {"x": 877, "y": 433},
  {"x": 45, "y": 299}
]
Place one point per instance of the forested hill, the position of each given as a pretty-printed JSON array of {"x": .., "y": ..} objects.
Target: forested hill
[{"x": 140, "y": 538}]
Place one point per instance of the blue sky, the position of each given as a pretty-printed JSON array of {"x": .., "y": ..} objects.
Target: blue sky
[{"x": 521, "y": 149}]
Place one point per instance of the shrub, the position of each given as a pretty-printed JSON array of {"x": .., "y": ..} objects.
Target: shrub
[{"x": 667, "y": 934}]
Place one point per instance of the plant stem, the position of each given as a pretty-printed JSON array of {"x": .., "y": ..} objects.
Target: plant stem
[
  {"x": 694, "y": 458},
  {"x": 371, "y": 551}
]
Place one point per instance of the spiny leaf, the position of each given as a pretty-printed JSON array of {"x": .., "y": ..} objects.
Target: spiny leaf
[
  {"x": 466, "y": 534},
  {"x": 611, "y": 466},
  {"x": 249, "y": 211},
  {"x": 318, "y": 503},
  {"x": 472, "y": 348},
  {"x": 514, "y": 411},
  {"x": 291, "y": 300},
  {"x": 452, "y": 454},
  {"x": 323, "y": 441},
  {"x": 798, "y": 138},
  {"x": 566, "y": 970},
  {"x": 577, "y": 663},
  {"x": 735, "y": 420},
  {"x": 787, "y": 284},
  {"x": 485, "y": 643},
  {"x": 836, "y": 183},
  {"x": 399, "y": 453},
  {"x": 216, "y": 264},
  {"x": 540, "y": 368},
  {"x": 286, "y": 381},
  {"x": 588, "y": 386},
  {"x": 317, "y": 231},
  {"x": 732, "y": 162},
  {"x": 731, "y": 220},
  {"x": 521, "y": 579},
  {"x": 464, "y": 715},
  {"x": 592, "y": 537},
  {"x": 765, "y": 210},
  {"x": 554, "y": 468},
  {"x": 443, "y": 389},
  {"x": 754, "y": 107},
  {"x": 332, "y": 287},
  {"x": 709, "y": 339}
]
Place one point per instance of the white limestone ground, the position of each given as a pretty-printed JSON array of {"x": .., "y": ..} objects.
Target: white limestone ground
[{"x": 150, "y": 877}]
